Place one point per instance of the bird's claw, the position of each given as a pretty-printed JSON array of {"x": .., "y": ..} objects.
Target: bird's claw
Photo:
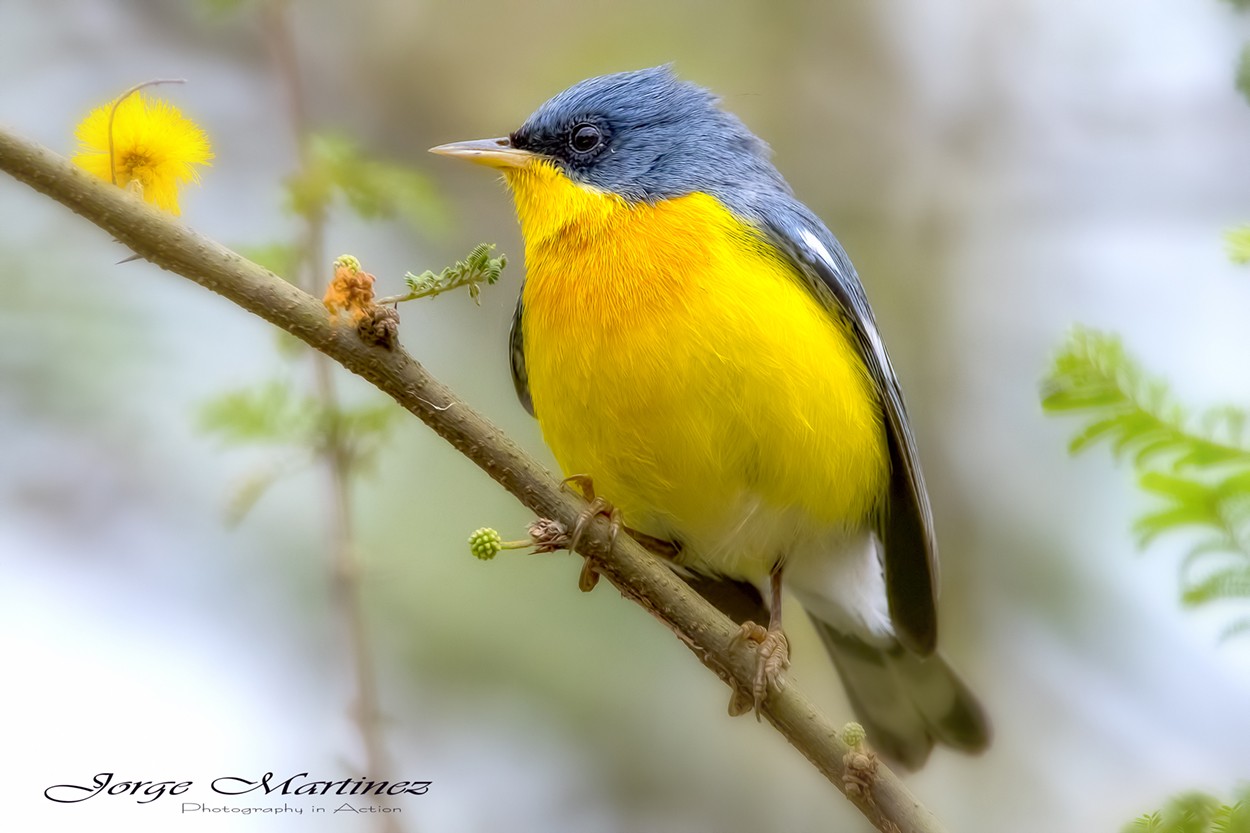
[
  {"x": 598, "y": 506},
  {"x": 581, "y": 484},
  {"x": 588, "y": 578},
  {"x": 771, "y": 659}
]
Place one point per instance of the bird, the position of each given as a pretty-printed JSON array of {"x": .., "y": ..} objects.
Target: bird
[{"x": 701, "y": 356}]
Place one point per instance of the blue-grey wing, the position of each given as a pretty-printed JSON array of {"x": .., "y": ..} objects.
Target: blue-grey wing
[
  {"x": 516, "y": 358},
  {"x": 906, "y": 524}
]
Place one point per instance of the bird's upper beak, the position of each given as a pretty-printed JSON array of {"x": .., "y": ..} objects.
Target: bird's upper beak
[{"x": 495, "y": 153}]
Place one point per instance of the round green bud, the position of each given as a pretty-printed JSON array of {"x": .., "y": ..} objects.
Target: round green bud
[
  {"x": 852, "y": 734},
  {"x": 485, "y": 543}
]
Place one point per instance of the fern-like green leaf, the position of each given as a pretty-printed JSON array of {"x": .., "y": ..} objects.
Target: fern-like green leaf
[
  {"x": 1145, "y": 823},
  {"x": 1092, "y": 374},
  {"x": 1197, "y": 468},
  {"x": 1208, "y": 555},
  {"x": 1196, "y": 813},
  {"x": 1239, "y": 627},
  {"x": 477, "y": 268},
  {"x": 1229, "y": 583},
  {"x": 1188, "y": 813}
]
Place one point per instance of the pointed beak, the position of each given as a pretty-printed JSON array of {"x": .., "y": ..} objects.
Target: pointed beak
[{"x": 494, "y": 153}]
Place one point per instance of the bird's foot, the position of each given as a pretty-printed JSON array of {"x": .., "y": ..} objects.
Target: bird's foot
[
  {"x": 582, "y": 485},
  {"x": 598, "y": 506},
  {"x": 771, "y": 659}
]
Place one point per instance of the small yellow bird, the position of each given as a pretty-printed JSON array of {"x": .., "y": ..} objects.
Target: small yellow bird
[{"x": 696, "y": 342}]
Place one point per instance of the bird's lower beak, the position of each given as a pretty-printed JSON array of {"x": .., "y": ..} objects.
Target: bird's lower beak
[{"x": 494, "y": 153}]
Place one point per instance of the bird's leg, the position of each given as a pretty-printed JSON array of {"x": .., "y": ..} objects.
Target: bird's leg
[
  {"x": 772, "y": 652},
  {"x": 598, "y": 506}
]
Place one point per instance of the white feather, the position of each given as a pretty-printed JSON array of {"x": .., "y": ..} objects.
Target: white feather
[
  {"x": 821, "y": 251},
  {"x": 841, "y": 581},
  {"x": 813, "y": 243}
]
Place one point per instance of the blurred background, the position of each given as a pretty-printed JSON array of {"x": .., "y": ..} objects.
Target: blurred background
[{"x": 998, "y": 169}]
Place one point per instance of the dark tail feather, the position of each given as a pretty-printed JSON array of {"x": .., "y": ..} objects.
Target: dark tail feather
[{"x": 906, "y": 703}]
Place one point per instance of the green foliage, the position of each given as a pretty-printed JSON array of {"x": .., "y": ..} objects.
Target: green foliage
[
  {"x": 1242, "y": 79},
  {"x": 1197, "y": 466},
  {"x": 371, "y": 188},
  {"x": 1136, "y": 413},
  {"x": 222, "y": 8},
  {"x": 1237, "y": 240},
  {"x": 274, "y": 415},
  {"x": 269, "y": 414},
  {"x": 478, "y": 267},
  {"x": 280, "y": 258},
  {"x": 1196, "y": 813}
]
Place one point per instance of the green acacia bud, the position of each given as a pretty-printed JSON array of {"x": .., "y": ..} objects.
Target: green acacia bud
[
  {"x": 852, "y": 734},
  {"x": 485, "y": 543}
]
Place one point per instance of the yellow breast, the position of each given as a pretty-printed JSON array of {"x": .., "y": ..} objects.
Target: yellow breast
[{"x": 677, "y": 359}]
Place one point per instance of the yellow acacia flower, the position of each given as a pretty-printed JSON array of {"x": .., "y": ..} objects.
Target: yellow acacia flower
[
  {"x": 155, "y": 149},
  {"x": 351, "y": 291}
]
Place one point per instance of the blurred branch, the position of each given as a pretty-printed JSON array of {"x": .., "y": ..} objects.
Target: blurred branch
[
  {"x": 336, "y": 453},
  {"x": 639, "y": 576}
]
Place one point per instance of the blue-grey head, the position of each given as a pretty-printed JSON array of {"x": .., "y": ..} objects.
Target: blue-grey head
[{"x": 643, "y": 135}]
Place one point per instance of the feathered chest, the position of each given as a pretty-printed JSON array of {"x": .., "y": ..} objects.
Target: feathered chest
[{"x": 677, "y": 358}]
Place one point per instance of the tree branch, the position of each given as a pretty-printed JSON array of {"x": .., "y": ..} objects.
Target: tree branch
[{"x": 639, "y": 576}]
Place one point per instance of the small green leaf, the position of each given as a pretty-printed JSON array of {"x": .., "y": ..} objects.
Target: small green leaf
[
  {"x": 1153, "y": 524},
  {"x": 371, "y": 188},
  {"x": 1095, "y": 431},
  {"x": 253, "y": 487},
  {"x": 1230, "y": 583},
  {"x": 270, "y": 413},
  {"x": 222, "y": 8},
  {"x": 1243, "y": 64},
  {"x": 1146, "y": 823},
  {"x": 1181, "y": 489},
  {"x": 280, "y": 258},
  {"x": 1218, "y": 549},
  {"x": 1195, "y": 813},
  {"x": 1240, "y": 627}
]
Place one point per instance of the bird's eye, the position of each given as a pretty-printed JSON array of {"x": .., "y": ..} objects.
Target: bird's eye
[{"x": 585, "y": 137}]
